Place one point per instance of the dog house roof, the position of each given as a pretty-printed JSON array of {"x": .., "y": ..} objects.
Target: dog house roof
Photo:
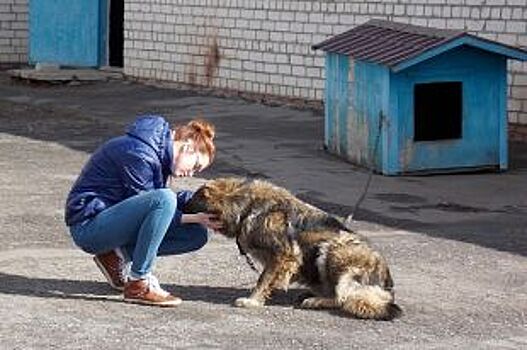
[{"x": 400, "y": 45}]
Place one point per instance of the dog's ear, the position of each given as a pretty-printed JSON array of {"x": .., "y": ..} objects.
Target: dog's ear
[{"x": 198, "y": 202}]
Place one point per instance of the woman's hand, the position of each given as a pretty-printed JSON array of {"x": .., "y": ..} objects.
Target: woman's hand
[{"x": 210, "y": 221}]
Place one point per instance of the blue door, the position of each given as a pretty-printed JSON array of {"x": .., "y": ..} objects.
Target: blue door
[{"x": 67, "y": 32}]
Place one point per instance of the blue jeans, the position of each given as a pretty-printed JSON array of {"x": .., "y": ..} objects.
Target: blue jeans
[{"x": 142, "y": 227}]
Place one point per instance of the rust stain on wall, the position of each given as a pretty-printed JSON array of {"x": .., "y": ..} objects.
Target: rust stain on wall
[
  {"x": 203, "y": 61},
  {"x": 212, "y": 61}
]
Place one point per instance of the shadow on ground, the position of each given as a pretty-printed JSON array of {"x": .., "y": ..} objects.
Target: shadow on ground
[
  {"x": 489, "y": 233},
  {"x": 95, "y": 290}
]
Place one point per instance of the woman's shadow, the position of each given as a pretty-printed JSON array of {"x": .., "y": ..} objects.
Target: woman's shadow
[{"x": 95, "y": 290}]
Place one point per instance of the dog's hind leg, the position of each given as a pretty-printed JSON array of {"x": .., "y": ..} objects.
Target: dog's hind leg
[{"x": 319, "y": 303}]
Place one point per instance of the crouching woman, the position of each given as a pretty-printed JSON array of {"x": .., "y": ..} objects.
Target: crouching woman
[{"x": 121, "y": 211}]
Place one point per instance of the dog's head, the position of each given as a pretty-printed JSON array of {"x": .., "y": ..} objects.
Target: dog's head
[
  {"x": 221, "y": 197},
  {"x": 214, "y": 196}
]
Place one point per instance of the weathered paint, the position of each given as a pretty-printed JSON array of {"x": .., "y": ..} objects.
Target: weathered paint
[
  {"x": 342, "y": 117},
  {"x": 336, "y": 103},
  {"x": 357, "y": 124},
  {"x": 381, "y": 92},
  {"x": 375, "y": 91},
  {"x": 483, "y": 97},
  {"x": 370, "y": 96},
  {"x": 68, "y": 32},
  {"x": 393, "y": 147}
]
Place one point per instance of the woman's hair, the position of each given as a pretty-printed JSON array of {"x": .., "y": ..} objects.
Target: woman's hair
[{"x": 201, "y": 132}]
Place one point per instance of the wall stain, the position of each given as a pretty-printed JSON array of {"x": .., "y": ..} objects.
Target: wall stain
[{"x": 212, "y": 61}]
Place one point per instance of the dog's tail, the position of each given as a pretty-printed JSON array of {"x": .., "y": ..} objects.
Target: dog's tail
[
  {"x": 366, "y": 301},
  {"x": 371, "y": 302}
]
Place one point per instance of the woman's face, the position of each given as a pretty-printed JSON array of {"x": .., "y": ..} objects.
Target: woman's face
[{"x": 187, "y": 160}]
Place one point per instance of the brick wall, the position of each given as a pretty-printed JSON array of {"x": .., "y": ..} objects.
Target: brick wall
[
  {"x": 13, "y": 31},
  {"x": 264, "y": 46}
]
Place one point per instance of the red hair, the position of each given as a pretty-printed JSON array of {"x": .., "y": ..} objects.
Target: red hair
[{"x": 201, "y": 132}]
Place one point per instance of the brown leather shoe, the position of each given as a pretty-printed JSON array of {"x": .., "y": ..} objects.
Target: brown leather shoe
[
  {"x": 147, "y": 291},
  {"x": 112, "y": 266}
]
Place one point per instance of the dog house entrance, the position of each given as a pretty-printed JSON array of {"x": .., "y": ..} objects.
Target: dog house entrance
[{"x": 438, "y": 111}]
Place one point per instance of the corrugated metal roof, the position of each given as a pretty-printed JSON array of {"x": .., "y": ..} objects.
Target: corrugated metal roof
[{"x": 386, "y": 42}]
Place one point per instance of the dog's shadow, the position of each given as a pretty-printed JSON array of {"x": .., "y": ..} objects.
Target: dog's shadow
[
  {"x": 11, "y": 284},
  {"x": 227, "y": 295}
]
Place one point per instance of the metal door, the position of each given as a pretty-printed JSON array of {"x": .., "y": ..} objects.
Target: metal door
[{"x": 67, "y": 32}]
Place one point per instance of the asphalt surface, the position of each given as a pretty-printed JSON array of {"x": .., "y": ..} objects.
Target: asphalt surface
[{"x": 456, "y": 244}]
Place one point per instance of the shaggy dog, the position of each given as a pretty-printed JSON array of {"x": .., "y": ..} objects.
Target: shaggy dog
[{"x": 296, "y": 242}]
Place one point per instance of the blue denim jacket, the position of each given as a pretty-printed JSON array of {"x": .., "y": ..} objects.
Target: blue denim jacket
[{"x": 140, "y": 160}]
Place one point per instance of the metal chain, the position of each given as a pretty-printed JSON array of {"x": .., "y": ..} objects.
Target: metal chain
[
  {"x": 372, "y": 166},
  {"x": 250, "y": 262}
]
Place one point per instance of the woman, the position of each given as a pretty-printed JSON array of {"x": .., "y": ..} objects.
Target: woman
[{"x": 121, "y": 210}]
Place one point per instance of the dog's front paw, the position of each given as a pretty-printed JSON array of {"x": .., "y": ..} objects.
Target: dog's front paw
[{"x": 248, "y": 303}]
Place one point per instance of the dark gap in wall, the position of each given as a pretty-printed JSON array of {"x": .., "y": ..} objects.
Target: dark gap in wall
[{"x": 116, "y": 34}]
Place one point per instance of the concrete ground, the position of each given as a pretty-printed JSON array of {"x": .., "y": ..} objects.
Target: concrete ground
[{"x": 457, "y": 244}]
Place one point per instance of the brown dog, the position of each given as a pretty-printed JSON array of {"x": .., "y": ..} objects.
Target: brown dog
[{"x": 296, "y": 242}]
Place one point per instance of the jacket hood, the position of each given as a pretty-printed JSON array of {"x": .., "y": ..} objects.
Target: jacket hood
[{"x": 154, "y": 130}]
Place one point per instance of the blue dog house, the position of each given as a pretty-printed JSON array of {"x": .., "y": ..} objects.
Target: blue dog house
[{"x": 409, "y": 99}]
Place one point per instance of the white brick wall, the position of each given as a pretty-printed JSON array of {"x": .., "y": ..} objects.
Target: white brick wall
[
  {"x": 264, "y": 45},
  {"x": 13, "y": 31}
]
